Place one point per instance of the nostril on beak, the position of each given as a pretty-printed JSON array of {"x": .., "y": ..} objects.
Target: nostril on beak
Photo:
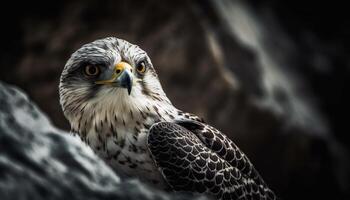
[{"x": 121, "y": 66}]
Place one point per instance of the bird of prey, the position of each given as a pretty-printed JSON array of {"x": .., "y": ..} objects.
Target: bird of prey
[{"x": 112, "y": 97}]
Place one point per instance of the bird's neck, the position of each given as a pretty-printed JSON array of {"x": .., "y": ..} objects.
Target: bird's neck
[{"x": 121, "y": 119}]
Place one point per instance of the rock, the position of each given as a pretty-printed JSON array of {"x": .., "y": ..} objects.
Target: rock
[{"x": 39, "y": 161}]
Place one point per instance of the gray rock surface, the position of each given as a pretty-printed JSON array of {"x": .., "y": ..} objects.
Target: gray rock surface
[{"x": 39, "y": 161}]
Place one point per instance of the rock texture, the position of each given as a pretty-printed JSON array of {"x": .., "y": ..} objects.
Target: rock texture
[
  {"x": 272, "y": 75},
  {"x": 39, "y": 161}
]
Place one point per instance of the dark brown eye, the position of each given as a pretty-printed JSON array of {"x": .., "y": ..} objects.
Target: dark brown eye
[
  {"x": 91, "y": 70},
  {"x": 141, "y": 67}
]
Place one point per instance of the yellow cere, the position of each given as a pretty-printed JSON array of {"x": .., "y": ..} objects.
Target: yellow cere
[{"x": 119, "y": 68}]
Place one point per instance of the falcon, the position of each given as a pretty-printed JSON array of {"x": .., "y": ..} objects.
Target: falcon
[{"x": 112, "y": 97}]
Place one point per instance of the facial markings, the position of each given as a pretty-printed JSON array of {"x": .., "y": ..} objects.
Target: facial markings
[{"x": 98, "y": 97}]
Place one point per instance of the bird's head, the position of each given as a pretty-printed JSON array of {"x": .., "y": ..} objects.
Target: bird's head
[{"x": 109, "y": 75}]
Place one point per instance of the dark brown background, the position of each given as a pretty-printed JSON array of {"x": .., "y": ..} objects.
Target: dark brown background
[{"x": 282, "y": 99}]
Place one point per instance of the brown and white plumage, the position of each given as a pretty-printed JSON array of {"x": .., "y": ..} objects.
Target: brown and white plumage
[{"x": 111, "y": 95}]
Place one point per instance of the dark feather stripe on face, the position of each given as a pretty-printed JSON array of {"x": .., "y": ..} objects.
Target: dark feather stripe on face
[
  {"x": 92, "y": 92},
  {"x": 144, "y": 89}
]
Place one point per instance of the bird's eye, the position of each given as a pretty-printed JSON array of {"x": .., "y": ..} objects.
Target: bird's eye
[
  {"x": 141, "y": 67},
  {"x": 92, "y": 70}
]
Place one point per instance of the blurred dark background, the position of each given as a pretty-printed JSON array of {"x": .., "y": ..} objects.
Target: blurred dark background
[{"x": 272, "y": 75}]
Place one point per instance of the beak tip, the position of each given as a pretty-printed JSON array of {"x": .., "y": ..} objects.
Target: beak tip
[{"x": 128, "y": 83}]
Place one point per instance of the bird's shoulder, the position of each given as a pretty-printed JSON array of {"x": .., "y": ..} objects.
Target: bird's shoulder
[{"x": 183, "y": 116}]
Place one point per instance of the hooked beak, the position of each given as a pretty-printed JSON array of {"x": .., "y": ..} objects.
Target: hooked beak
[{"x": 121, "y": 76}]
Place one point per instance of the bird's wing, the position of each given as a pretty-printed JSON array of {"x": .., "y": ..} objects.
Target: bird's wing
[
  {"x": 189, "y": 164},
  {"x": 219, "y": 143}
]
